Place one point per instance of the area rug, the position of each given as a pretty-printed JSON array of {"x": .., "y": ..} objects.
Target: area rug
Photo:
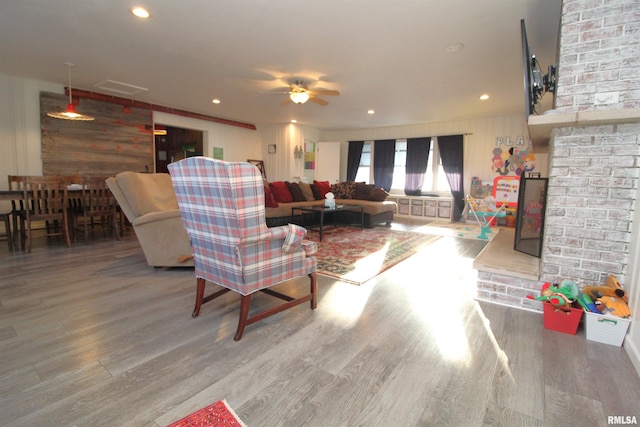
[
  {"x": 356, "y": 255},
  {"x": 468, "y": 230},
  {"x": 218, "y": 414}
]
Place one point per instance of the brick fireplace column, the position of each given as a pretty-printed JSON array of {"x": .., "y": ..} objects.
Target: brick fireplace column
[{"x": 594, "y": 143}]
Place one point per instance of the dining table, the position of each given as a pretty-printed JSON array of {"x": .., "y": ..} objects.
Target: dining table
[{"x": 19, "y": 194}]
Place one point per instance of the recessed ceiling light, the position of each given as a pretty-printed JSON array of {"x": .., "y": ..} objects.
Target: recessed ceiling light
[
  {"x": 371, "y": 112},
  {"x": 215, "y": 101},
  {"x": 454, "y": 47},
  {"x": 294, "y": 121},
  {"x": 140, "y": 12},
  {"x": 484, "y": 97}
]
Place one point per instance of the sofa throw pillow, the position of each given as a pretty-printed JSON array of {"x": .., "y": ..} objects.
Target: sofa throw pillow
[
  {"x": 316, "y": 192},
  {"x": 295, "y": 191},
  {"x": 323, "y": 188},
  {"x": 306, "y": 191},
  {"x": 269, "y": 201},
  {"x": 378, "y": 195},
  {"x": 363, "y": 191},
  {"x": 280, "y": 192},
  {"x": 343, "y": 190}
]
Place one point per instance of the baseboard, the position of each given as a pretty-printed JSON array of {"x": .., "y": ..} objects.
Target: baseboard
[{"x": 633, "y": 350}]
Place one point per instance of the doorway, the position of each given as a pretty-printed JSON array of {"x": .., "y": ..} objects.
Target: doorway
[{"x": 173, "y": 144}]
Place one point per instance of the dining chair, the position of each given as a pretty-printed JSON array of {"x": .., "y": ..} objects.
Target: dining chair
[
  {"x": 18, "y": 213},
  {"x": 5, "y": 218},
  {"x": 222, "y": 207},
  {"x": 97, "y": 206},
  {"x": 73, "y": 182},
  {"x": 46, "y": 197}
]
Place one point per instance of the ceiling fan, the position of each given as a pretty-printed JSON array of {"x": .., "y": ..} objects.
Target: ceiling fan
[{"x": 299, "y": 93}]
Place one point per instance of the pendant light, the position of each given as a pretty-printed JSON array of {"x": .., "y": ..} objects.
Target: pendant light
[{"x": 70, "y": 113}]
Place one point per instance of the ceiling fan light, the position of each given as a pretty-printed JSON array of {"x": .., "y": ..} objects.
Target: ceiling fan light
[{"x": 299, "y": 97}]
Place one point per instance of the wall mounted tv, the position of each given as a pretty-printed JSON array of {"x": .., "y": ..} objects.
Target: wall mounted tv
[{"x": 535, "y": 83}]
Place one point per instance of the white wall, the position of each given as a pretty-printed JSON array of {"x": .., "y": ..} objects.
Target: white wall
[
  {"x": 20, "y": 140},
  {"x": 632, "y": 287},
  {"x": 283, "y": 166}
]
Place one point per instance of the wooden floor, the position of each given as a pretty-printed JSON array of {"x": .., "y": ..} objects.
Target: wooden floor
[{"x": 92, "y": 336}]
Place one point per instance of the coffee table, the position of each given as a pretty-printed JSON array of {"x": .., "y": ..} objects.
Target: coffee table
[{"x": 321, "y": 211}]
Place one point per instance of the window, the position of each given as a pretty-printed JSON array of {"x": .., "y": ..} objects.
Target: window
[
  {"x": 435, "y": 179},
  {"x": 364, "y": 170},
  {"x": 399, "y": 164}
]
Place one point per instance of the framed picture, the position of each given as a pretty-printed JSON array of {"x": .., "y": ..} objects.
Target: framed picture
[{"x": 272, "y": 148}]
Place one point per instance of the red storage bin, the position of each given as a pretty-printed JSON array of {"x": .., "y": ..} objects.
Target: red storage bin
[{"x": 562, "y": 319}]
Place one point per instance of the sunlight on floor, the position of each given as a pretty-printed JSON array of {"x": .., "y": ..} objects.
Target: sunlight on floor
[
  {"x": 347, "y": 301},
  {"x": 442, "y": 298},
  {"x": 372, "y": 262},
  {"x": 441, "y": 310},
  {"x": 502, "y": 356}
]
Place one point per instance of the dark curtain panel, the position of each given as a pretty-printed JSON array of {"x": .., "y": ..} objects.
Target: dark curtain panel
[
  {"x": 384, "y": 154},
  {"x": 416, "y": 166},
  {"x": 451, "y": 154},
  {"x": 353, "y": 159}
]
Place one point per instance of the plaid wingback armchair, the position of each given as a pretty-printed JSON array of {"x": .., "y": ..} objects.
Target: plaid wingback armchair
[{"x": 222, "y": 206}]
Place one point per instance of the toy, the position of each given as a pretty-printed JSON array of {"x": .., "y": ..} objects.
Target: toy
[
  {"x": 611, "y": 288},
  {"x": 616, "y": 306},
  {"x": 485, "y": 212},
  {"x": 587, "y": 303},
  {"x": 559, "y": 295}
]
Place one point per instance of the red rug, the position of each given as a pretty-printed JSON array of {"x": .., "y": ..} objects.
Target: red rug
[
  {"x": 217, "y": 415},
  {"x": 353, "y": 255}
]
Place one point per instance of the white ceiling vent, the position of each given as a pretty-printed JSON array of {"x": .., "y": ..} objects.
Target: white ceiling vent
[{"x": 120, "y": 88}]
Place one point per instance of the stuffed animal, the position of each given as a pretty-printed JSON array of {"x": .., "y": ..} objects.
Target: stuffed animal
[
  {"x": 611, "y": 288},
  {"x": 615, "y": 306},
  {"x": 562, "y": 295}
]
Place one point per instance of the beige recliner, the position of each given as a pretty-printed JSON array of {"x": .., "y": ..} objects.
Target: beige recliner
[{"x": 149, "y": 203}]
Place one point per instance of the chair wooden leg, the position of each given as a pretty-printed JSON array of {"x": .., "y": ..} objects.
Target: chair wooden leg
[
  {"x": 22, "y": 233},
  {"x": 245, "y": 301},
  {"x": 199, "y": 296},
  {"x": 314, "y": 290},
  {"x": 28, "y": 237},
  {"x": 86, "y": 227},
  {"x": 8, "y": 232},
  {"x": 66, "y": 230}
]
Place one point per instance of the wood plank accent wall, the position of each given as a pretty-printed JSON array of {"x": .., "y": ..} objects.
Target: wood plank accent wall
[{"x": 119, "y": 139}]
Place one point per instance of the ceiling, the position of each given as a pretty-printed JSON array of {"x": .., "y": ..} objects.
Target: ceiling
[{"x": 387, "y": 55}]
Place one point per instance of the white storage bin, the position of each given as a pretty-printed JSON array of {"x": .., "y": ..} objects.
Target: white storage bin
[{"x": 606, "y": 329}]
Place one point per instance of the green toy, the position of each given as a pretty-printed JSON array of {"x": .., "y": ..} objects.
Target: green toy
[{"x": 562, "y": 295}]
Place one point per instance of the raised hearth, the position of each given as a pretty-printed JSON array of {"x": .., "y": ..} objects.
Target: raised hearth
[{"x": 506, "y": 276}]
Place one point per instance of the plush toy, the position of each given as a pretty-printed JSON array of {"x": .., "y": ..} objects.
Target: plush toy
[
  {"x": 587, "y": 303},
  {"x": 611, "y": 288},
  {"x": 616, "y": 306},
  {"x": 562, "y": 295}
]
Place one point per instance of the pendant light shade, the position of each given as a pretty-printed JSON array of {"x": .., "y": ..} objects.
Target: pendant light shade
[{"x": 70, "y": 113}]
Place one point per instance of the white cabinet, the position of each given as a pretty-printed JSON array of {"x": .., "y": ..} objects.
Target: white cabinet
[{"x": 423, "y": 207}]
